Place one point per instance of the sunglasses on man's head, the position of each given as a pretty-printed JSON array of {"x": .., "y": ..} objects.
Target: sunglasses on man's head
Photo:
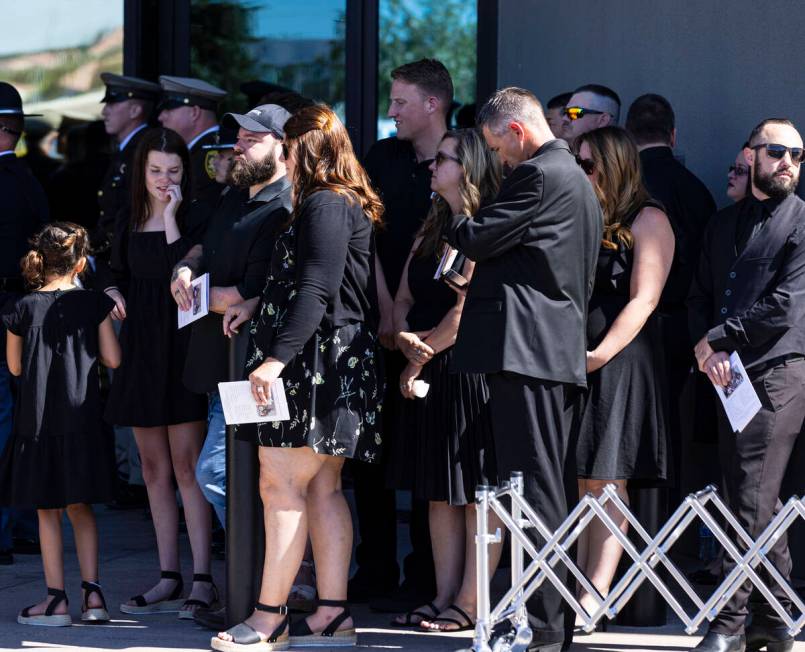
[
  {"x": 586, "y": 164},
  {"x": 441, "y": 157},
  {"x": 577, "y": 112},
  {"x": 738, "y": 170},
  {"x": 775, "y": 151}
]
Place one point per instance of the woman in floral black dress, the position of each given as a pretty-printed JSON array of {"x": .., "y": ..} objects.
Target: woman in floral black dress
[{"x": 314, "y": 328}]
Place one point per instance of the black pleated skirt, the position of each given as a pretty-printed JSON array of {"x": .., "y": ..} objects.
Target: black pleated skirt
[{"x": 450, "y": 450}]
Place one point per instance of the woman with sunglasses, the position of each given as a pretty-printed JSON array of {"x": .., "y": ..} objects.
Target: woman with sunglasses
[
  {"x": 623, "y": 433},
  {"x": 738, "y": 177},
  {"x": 314, "y": 328},
  {"x": 451, "y": 423}
]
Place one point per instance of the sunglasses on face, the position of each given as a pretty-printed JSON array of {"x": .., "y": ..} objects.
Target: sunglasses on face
[
  {"x": 775, "y": 151},
  {"x": 586, "y": 164},
  {"x": 441, "y": 157},
  {"x": 738, "y": 170},
  {"x": 576, "y": 112}
]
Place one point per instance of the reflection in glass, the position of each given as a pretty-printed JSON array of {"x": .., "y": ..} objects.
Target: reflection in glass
[
  {"x": 417, "y": 29},
  {"x": 297, "y": 45}
]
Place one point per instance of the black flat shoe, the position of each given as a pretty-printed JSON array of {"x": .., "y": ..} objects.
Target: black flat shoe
[
  {"x": 714, "y": 642},
  {"x": 774, "y": 639}
]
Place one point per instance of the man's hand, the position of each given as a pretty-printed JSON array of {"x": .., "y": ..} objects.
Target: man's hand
[
  {"x": 180, "y": 287},
  {"x": 717, "y": 368},
  {"x": 594, "y": 361},
  {"x": 703, "y": 351},
  {"x": 119, "y": 311}
]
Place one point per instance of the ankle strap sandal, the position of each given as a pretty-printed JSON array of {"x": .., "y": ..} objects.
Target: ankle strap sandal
[
  {"x": 303, "y": 636},
  {"x": 48, "y": 619},
  {"x": 243, "y": 635},
  {"x": 93, "y": 614}
]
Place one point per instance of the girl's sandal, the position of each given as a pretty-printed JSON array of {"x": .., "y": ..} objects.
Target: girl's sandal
[
  {"x": 48, "y": 619},
  {"x": 331, "y": 636},
  {"x": 171, "y": 604},
  {"x": 460, "y": 626},
  {"x": 419, "y": 613},
  {"x": 190, "y": 605},
  {"x": 246, "y": 638},
  {"x": 93, "y": 614}
]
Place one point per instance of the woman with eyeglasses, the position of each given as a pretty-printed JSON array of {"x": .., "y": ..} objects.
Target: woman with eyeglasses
[
  {"x": 314, "y": 330},
  {"x": 624, "y": 431},
  {"x": 738, "y": 177},
  {"x": 451, "y": 423}
]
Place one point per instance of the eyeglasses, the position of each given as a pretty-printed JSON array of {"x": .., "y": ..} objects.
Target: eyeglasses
[
  {"x": 775, "y": 151},
  {"x": 11, "y": 131},
  {"x": 441, "y": 157},
  {"x": 577, "y": 112},
  {"x": 738, "y": 170},
  {"x": 586, "y": 164}
]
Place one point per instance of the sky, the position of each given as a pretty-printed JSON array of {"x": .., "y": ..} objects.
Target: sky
[{"x": 34, "y": 25}]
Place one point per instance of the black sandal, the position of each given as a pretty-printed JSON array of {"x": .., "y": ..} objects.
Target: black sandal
[
  {"x": 48, "y": 619},
  {"x": 190, "y": 605},
  {"x": 465, "y": 626},
  {"x": 93, "y": 614},
  {"x": 171, "y": 604},
  {"x": 331, "y": 636},
  {"x": 416, "y": 612},
  {"x": 245, "y": 637}
]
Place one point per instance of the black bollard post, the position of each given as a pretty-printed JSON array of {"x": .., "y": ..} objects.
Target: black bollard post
[
  {"x": 646, "y": 608},
  {"x": 244, "y": 521}
]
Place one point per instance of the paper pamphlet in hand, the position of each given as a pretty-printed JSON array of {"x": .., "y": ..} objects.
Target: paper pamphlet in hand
[
  {"x": 448, "y": 258},
  {"x": 200, "y": 291},
  {"x": 240, "y": 407},
  {"x": 739, "y": 398}
]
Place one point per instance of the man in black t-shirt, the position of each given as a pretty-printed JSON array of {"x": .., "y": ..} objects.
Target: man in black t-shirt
[
  {"x": 235, "y": 252},
  {"x": 421, "y": 94}
]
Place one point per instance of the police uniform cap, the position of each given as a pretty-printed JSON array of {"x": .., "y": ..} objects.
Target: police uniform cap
[
  {"x": 225, "y": 138},
  {"x": 187, "y": 91},
  {"x": 120, "y": 88},
  {"x": 11, "y": 102}
]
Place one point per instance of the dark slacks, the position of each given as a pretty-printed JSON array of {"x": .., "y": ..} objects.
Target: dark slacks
[
  {"x": 534, "y": 424},
  {"x": 753, "y": 464}
]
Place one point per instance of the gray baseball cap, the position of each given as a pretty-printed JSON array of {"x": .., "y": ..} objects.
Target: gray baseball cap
[{"x": 266, "y": 118}]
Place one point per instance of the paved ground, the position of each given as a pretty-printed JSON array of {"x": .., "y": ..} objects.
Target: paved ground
[{"x": 128, "y": 566}]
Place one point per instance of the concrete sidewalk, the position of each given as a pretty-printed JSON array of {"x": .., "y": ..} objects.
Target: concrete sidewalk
[{"x": 129, "y": 566}]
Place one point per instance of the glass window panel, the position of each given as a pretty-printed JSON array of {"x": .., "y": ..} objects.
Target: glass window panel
[
  {"x": 54, "y": 54},
  {"x": 298, "y": 45},
  {"x": 417, "y": 29}
]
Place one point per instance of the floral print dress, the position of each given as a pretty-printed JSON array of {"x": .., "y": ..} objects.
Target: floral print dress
[{"x": 333, "y": 385}]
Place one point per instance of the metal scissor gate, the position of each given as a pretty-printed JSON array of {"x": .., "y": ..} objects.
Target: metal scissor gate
[{"x": 520, "y": 517}]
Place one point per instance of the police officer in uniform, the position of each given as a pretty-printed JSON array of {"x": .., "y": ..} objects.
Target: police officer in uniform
[
  {"x": 128, "y": 105},
  {"x": 188, "y": 107},
  {"x": 24, "y": 211}
]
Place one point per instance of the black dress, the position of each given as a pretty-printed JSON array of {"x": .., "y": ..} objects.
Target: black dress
[
  {"x": 448, "y": 433},
  {"x": 147, "y": 389},
  {"x": 315, "y": 316},
  {"x": 59, "y": 453},
  {"x": 624, "y": 429}
]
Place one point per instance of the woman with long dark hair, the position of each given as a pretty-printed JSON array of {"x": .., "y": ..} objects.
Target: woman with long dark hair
[
  {"x": 624, "y": 428},
  {"x": 147, "y": 393},
  {"x": 314, "y": 328}
]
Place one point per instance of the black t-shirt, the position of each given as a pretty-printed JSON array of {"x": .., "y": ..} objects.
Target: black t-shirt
[
  {"x": 404, "y": 187},
  {"x": 237, "y": 249}
]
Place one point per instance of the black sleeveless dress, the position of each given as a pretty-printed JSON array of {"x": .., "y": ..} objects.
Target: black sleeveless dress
[
  {"x": 624, "y": 429},
  {"x": 451, "y": 450}
]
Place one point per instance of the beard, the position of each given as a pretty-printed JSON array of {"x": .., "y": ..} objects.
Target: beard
[
  {"x": 249, "y": 173},
  {"x": 774, "y": 185}
]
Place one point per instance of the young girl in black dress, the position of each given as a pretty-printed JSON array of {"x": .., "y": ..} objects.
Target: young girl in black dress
[{"x": 59, "y": 459}]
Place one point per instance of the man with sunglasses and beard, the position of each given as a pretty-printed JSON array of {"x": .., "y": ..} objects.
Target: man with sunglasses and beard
[
  {"x": 748, "y": 296},
  {"x": 235, "y": 251}
]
